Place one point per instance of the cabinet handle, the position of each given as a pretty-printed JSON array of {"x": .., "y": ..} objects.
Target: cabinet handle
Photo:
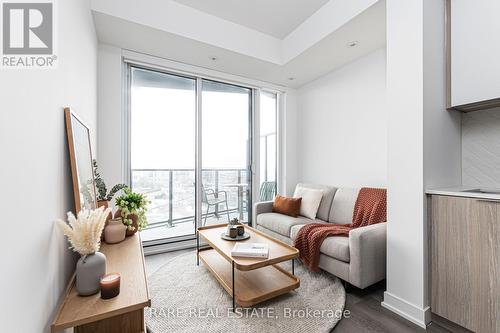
[{"x": 488, "y": 200}]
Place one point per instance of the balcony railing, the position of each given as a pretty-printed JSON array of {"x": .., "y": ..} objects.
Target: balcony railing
[{"x": 172, "y": 192}]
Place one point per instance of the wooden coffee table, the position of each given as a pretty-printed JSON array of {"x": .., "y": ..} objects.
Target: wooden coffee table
[{"x": 248, "y": 280}]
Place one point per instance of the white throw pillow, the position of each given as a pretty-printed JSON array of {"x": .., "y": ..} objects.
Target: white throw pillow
[{"x": 310, "y": 201}]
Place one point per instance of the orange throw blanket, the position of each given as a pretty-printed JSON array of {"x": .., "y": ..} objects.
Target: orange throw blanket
[{"x": 370, "y": 208}]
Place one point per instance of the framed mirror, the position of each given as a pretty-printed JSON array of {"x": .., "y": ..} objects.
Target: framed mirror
[{"x": 80, "y": 154}]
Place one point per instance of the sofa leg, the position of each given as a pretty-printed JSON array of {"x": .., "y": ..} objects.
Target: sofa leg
[{"x": 347, "y": 286}]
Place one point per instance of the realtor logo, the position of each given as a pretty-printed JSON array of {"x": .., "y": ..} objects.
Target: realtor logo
[{"x": 28, "y": 34}]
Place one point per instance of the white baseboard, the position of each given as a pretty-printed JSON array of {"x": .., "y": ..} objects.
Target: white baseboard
[
  {"x": 411, "y": 312},
  {"x": 162, "y": 248}
]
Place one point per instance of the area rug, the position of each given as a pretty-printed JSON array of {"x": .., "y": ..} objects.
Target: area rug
[{"x": 187, "y": 298}]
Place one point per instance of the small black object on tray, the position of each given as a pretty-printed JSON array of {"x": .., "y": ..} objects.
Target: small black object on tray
[{"x": 235, "y": 231}]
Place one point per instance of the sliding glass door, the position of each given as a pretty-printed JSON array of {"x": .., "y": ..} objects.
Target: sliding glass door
[
  {"x": 164, "y": 138},
  {"x": 162, "y": 152},
  {"x": 226, "y": 147},
  {"x": 268, "y": 145}
]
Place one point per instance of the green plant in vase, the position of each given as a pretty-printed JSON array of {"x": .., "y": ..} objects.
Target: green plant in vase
[
  {"x": 102, "y": 190},
  {"x": 132, "y": 210},
  {"x": 234, "y": 221}
]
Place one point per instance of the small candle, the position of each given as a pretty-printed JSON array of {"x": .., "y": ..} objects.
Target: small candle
[
  {"x": 110, "y": 285},
  {"x": 233, "y": 232},
  {"x": 241, "y": 230}
]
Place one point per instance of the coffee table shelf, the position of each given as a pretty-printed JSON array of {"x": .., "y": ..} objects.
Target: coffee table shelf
[
  {"x": 252, "y": 287},
  {"x": 248, "y": 280}
]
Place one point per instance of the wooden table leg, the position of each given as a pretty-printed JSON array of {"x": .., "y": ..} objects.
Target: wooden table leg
[
  {"x": 234, "y": 288},
  {"x": 197, "y": 248}
]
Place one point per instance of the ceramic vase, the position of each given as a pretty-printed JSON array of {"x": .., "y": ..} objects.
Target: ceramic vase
[
  {"x": 115, "y": 231},
  {"x": 133, "y": 217},
  {"x": 89, "y": 271}
]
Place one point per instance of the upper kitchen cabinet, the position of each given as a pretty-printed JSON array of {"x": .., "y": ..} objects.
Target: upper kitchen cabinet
[{"x": 474, "y": 54}]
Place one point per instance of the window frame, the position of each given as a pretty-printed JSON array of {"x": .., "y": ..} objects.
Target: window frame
[{"x": 131, "y": 59}]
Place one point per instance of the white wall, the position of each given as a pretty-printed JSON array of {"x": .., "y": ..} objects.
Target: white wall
[
  {"x": 35, "y": 172},
  {"x": 405, "y": 230},
  {"x": 110, "y": 133},
  {"x": 343, "y": 125},
  {"x": 423, "y": 143},
  {"x": 442, "y": 128},
  {"x": 290, "y": 138}
]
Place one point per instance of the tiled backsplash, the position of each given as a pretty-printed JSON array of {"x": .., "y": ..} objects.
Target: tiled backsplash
[{"x": 481, "y": 148}]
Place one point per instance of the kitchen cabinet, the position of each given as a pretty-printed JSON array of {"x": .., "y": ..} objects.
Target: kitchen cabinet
[
  {"x": 474, "y": 54},
  {"x": 465, "y": 261}
]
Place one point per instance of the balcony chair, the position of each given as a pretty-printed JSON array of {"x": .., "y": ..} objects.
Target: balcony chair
[
  {"x": 267, "y": 191},
  {"x": 212, "y": 198}
]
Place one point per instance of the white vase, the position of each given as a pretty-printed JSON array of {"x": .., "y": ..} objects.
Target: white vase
[
  {"x": 89, "y": 271},
  {"x": 115, "y": 231}
]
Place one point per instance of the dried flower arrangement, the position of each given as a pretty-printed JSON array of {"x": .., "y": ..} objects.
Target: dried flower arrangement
[{"x": 84, "y": 231}]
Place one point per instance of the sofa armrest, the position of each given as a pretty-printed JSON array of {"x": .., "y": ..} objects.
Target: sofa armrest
[
  {"x": 263, "y": 207},
  {"x": 367, "y": 247}
]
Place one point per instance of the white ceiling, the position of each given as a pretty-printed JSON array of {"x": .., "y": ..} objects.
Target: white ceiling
[
  {"x": 368, "y": 28},
  {"x": 273, "y": 17}
]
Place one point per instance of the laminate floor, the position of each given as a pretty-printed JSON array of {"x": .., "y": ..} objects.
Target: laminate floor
[{"x": 366, "y": 313}]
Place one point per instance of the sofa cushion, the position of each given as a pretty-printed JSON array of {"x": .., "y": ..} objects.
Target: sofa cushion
[
  {"x": 326, "y": 200},
  {"x": 294, "y": 230},
  {"x": 336, "y": 247},
  {"x": 311, "y": 199},
  {"x": 287, "y": 206},
  {"x": 343, "y": 205},
  {"x": 280, "y": 223}
]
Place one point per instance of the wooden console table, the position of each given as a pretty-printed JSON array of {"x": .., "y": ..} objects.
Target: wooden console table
[{"x": 122, "y": 314}]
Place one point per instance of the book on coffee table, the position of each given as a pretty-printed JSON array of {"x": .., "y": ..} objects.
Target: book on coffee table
[{"x": 250, "y": 250}]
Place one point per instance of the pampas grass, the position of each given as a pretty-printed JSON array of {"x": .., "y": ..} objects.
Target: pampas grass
[{"x": 84, "y": 232}]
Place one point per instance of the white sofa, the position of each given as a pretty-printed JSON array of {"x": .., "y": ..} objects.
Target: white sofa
[{"x": 359, "y": 259}]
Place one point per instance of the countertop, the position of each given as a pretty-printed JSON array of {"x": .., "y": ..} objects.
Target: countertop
[{"x": 458, "y": 191}]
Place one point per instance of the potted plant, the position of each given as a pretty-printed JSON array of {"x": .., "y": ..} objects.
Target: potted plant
[
  {"x": 132, "y": 210},
  {"x": 103, "y": 196},
  {"x": 234, "y": 222},
  {"x": 84, "y": 235}
]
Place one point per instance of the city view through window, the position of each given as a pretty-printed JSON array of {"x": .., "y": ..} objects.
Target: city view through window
[{"x": 163, "y": 136}]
